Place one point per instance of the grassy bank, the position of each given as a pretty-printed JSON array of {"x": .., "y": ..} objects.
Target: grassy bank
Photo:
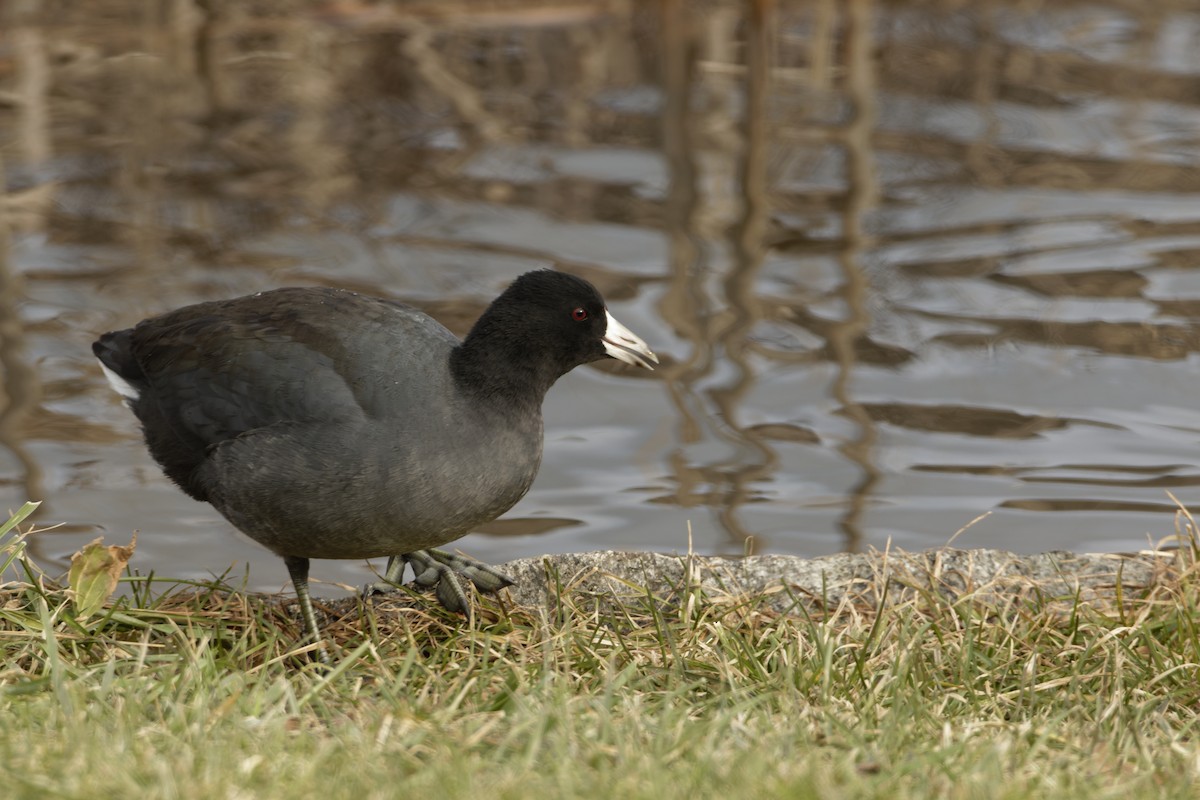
[{"x": 195, "y": 695}]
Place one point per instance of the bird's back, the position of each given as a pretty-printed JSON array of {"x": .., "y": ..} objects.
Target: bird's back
[{"x": 208, "y": 373}]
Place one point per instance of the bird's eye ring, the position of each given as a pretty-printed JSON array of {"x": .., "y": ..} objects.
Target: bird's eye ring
[{"x": 579, "y": 314}]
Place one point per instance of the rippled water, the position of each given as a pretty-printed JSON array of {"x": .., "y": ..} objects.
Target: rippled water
[{"x": 907, "y": 263}]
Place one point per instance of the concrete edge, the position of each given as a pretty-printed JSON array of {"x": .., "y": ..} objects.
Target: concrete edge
[{"x": 791, "y": 584}]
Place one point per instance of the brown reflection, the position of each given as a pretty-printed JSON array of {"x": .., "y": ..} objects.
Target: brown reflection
[
  {"x": 866, "y": 349},
  {"x": 21, "y": 391},
  {"x": 725, "y": 338},
  {"x": 972, "y": 420},
  {"x": 985, "y": 63},
  {"x": 1158, "y": 341},
  {"x": 975, "y": 469},
  {"x": 726, "y": 482},
  {"x": 755, "y": 460},
  {"x": 1091, "y": 283},
  {"x": 782, "y": 432},
  {"x": 1164, "y": 482},
  {"x": 862, "y": 197},
  {"x": 22, "y": 384},
  {"x": 1090, "y": 504},
  {"x": 684, "y": 304},
  {"x": 27, "y": 207},
  {"x": 1163, "y": 477}
]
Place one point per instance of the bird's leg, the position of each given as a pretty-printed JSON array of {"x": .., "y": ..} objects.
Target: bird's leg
[
  {"x": 391, "y": 578},
  {"x": 444, "y": 571},
  {"x": 298, "y": 569},
  {"x": 395, "y": 570}
]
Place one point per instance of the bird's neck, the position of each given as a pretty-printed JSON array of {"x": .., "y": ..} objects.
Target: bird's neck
[{"x": 501, "y": 370}]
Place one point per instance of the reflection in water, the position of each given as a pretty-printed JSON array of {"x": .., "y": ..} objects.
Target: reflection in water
[
  {"x": 22, "y": 385},
  {"x": 946, "y": 418},
  {"x": 754, "y": 460},
  {"x": 908, "y": 258},
  {"x": 861, "y": 200},
  {"x": 684, "y": 304},
  {"x": 22, "y": 388},
  {"x": 726, "y": 480}
]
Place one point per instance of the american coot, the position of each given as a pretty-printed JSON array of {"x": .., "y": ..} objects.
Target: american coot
[{"x": 327, "y": 424}]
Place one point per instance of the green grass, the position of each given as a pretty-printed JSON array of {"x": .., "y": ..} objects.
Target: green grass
[{"x": 197, "y": 694}]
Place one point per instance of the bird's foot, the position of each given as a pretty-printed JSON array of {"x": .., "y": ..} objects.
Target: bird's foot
[{"x": 444, "y": 571}]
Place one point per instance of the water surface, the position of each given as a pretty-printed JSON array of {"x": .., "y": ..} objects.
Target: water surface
[{"x": 907, "y": 263}]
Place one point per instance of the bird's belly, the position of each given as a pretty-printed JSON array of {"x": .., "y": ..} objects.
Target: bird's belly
[{"x": 366, "y": 501}]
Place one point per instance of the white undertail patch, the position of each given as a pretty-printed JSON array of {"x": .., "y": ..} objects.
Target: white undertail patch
[{"x": 119, "y": 384}]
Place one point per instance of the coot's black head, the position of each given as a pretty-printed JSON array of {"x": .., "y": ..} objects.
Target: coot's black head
[{"x": 542, "y": 326}]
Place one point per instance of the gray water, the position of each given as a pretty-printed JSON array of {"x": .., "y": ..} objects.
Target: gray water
[{"x": 907, "y": 264}]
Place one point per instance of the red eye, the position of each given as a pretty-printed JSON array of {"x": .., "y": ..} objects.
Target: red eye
[{"x": 579, "y": 314}]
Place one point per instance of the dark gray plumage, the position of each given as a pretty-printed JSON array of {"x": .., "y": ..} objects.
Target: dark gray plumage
[{"x": 328, "y": 424}]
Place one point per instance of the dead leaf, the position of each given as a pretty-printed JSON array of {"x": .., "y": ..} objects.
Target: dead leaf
[{"x": 94, "y": 573}]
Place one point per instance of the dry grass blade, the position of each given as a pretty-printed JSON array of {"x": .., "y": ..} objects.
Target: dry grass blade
[{"x": 904, "y": 692}]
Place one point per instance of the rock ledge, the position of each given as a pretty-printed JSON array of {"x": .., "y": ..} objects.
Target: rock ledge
[{"x": 791, "y": 584}]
